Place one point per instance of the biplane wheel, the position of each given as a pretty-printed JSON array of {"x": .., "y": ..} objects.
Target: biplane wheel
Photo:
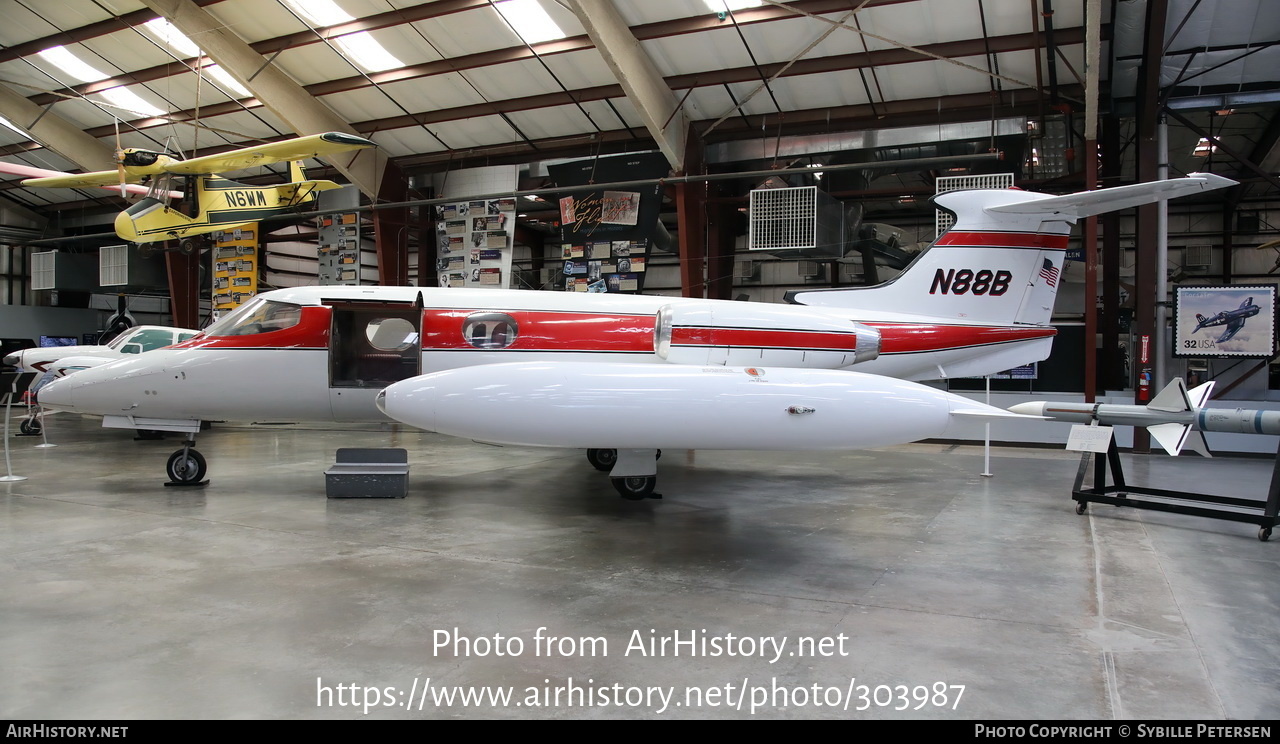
[
  {"x": 602, "y": 459},
  {"x": 30, "y": 426},
  {"x": 1264, "y": 534},
  {"x": 1081, "y": 506},
  {"x": 186, "y": 466},
  {"x": 146, "y": 250},
  {"x": 187, "y": 246},
  {"x": 635, "y": 487}
]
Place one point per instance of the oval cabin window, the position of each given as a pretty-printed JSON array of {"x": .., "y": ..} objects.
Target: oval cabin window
[{"x": 489, "y": 330}]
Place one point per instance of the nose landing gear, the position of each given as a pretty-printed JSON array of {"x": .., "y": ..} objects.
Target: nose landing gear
[{"x": 186, "y": 467}]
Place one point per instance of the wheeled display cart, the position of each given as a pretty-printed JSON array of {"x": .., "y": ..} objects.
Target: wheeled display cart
[{"x": 1261, "y": 512}]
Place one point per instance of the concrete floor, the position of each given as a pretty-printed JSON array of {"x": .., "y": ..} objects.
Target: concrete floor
[{"x": 257, "y": 597}]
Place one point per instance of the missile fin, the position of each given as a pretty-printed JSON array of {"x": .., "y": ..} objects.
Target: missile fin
[
  {"x": 1172, "y": 399},
  {"x": 1196, "y": 443},
  {"x": 1170, "y": 436},
  {"x": 1199, "y": 395}
]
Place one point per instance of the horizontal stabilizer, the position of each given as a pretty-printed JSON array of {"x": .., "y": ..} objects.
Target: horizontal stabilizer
[{"x": 1090, "y": 203}]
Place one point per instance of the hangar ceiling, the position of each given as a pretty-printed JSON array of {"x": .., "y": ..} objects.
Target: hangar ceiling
[{"x": 456, "y": 83}]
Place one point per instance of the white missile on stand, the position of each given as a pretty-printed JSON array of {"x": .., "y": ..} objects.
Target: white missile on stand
[
  {"x": 648, "y": 406},
  {"x": 1175, "y": 417}
]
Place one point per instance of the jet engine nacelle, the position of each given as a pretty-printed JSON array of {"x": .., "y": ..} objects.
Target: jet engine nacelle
[
  {"x": 650, "y": 406},
  {"x": 744, "y": 334}
]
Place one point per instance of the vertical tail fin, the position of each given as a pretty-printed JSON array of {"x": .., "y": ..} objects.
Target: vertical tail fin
[{"x": 1002, "y": 260}]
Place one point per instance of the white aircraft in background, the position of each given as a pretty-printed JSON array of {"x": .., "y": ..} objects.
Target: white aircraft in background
[
  {"x": 623, "y": 376},
  {"x": 51, "y": 362},
  {"x": 134, "y": 340}
]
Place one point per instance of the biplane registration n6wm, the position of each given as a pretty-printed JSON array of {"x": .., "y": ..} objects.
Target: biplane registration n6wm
[
  {"x": 221, "y": 204},
  {"x": 624, "y": 376}
]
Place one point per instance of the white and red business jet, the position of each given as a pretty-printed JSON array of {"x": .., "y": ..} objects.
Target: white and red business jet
[{"x": 623, "y": 376}]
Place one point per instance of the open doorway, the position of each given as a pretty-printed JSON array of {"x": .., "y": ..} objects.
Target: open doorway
[{"x": 374, "y": 344}]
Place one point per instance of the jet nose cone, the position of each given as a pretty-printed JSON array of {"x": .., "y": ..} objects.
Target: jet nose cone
[
  {"x": 13, "y": 360},
  {"x": 1029, "y": 409},
  {"x": 409, "y": 401}
]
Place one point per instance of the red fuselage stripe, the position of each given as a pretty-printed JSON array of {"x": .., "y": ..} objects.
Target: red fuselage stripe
[
  {"x": 541, "y": 330},
  {"x": 551, "y": 331},
  {"x": 1005, "y": 240},
  {"x": 763, "y": 338},
  {"x": 911, "y": 339}
]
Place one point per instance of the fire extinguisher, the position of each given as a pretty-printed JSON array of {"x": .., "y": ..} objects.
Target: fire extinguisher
[{"x": 1144, "y": 377}]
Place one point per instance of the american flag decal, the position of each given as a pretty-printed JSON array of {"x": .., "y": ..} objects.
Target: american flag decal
[{"x": 1050, "y": 273}]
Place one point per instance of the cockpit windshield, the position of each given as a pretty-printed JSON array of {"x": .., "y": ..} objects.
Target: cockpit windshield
[{"x": 257, "y": 316}]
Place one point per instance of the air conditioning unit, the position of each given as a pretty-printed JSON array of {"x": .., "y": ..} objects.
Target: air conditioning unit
[
  {"x": 746, "y": 271},
  {"x": 124, "y": 266},
  {"x": 1197, "y": 258},
  {"x": 801, "y": 219},
  {"x": 809, "y": 270},
  {"x": 551, "y": 278},
  {"x": 73, "y": 272}
]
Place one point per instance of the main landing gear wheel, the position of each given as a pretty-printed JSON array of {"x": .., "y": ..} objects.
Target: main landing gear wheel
[
  {"x": 636, "y": 487},
  {"x": 602, "y": 459},
  {"x": 30, "y": 427},
  {"x": 1264, "y": 534},
  {"x": 186, "y": 467},
  {"x": 1081, "y": 506}
]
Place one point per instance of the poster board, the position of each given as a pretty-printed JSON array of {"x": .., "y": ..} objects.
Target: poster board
[
  {"x": 475, "y": 242},
  {"x": 235, "y": 268},
  {"x": 1225, "y": 321}
]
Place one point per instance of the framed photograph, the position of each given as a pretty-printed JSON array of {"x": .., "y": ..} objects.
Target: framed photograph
[{"x": 1236, "y": 321}]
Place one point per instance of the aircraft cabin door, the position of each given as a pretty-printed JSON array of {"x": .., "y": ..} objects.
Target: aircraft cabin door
[{"x": 371, "y": 345}]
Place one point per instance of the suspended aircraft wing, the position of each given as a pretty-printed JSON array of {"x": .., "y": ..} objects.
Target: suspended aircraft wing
[
  {"x": 300, "y": 148},
  {"x": 81, "y": 180},
  {"x": 1090, "y": 203}
]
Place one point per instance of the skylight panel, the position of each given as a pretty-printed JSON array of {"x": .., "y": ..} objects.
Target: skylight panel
[
  {"x": 359, "y": 47},
  {"x": 224, "y": 77},
  {"x": 718, "y": 6},
  {"x": 72, "y": 65},
  {"x": 130, "y": 101},
  {"x": 320, "y": 12},
  {"x": 6, "y": 123},
  {"x": 169, "y": 35},
  {"x": 529, "y": 20},
  {"x": 365, "y": 51}
]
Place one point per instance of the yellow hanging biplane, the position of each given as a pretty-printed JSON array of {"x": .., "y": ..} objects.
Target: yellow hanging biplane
[{"x": 221, "y": 204}]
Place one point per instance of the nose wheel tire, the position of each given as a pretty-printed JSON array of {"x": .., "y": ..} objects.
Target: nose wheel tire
[
  {"x": 602, "y": 459},
  {"x": 636, "y": 488},
  {"x": 30, "y": 426},
  {"x": 186, "y": 467}
]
